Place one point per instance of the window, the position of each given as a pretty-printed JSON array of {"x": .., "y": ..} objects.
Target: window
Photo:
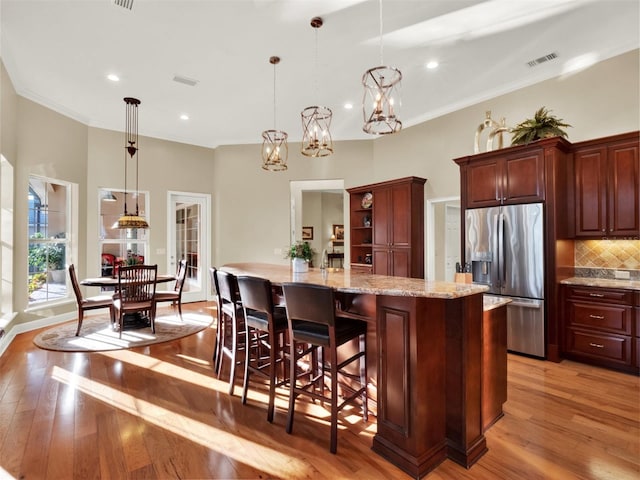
[
  {"x": 120, "y": 246},
  {"x": 49, "y": 234}
]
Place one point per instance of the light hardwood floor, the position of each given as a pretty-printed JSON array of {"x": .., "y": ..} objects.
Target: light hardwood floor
[{"x": 159, "y": 412}]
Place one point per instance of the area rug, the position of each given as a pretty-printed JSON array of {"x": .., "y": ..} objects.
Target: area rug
[{"x": 96, "y": 334}]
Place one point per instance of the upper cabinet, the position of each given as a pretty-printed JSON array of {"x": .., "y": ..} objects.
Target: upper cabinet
[
  {"x": 607, "y": 187},
  {"x": 509, "y": 176},
  {"x": 387, "y": 227},
  {"x": 506, "y": 179}
]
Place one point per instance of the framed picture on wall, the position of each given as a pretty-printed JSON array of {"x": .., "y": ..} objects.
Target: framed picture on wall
[
  {"x": 307, "y": 233},
  {"x": 338, "y": 233}
]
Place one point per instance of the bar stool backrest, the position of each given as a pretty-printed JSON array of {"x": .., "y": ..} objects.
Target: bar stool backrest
[
  {"x": 256, "y": 293},
  {"x": 228, "y": 287},
  {"x": 311, "y": 303}
]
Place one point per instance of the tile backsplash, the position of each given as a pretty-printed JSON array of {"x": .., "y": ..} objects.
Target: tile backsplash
[{"x": 614, "y": 254}]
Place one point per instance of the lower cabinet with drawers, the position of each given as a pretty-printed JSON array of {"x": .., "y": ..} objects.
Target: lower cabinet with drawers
[{"x": 601, "y": 327}]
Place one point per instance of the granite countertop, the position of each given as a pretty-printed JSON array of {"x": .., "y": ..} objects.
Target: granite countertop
[
  {"x": 492, "y": 301},
  {"x": 602, "y": 282},
  {"x": 356, "y": 282}
]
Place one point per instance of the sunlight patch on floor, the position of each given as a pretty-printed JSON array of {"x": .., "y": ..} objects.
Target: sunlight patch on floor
[
  {"x": 168, "y": 369},
  {"x": 209, "y": 437}
]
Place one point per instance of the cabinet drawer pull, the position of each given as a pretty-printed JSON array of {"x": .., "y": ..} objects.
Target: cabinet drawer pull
[
  {"x": 597, "y": 345},
  {"x": 597, "y": 317},
  {"x": 599, "y": 295}
]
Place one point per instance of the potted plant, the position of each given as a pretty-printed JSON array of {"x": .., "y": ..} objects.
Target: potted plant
[
  {"x": 542, "y": 125},
  {"x": 300, "y": 254}
]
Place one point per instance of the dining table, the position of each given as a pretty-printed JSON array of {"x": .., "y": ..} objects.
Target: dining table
[{"x": 112, "y": 282}]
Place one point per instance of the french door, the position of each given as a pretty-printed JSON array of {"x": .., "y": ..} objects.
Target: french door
[{"x": 188, "y": 239}]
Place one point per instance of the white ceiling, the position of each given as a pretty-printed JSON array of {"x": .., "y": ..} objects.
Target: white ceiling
[{"x": 58, "y": 53}]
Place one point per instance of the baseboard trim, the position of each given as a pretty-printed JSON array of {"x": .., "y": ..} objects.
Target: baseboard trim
[{"x": 19, "y": 328}]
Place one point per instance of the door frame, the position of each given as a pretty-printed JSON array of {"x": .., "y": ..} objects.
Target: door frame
[{"x": 205, "y": 236}]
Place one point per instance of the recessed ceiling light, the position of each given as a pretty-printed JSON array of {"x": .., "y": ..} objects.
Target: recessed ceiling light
[
  {"x": 184, "y": 116},
  {"x": 348, "y": 106},
  {"x": 432, "y": 64},
  {"x": 113, "y": 77}
]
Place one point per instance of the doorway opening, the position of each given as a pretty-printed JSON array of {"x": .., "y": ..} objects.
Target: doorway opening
[
  {"x": 317, "y": 207},
  {"x": 443, "y": 238}
]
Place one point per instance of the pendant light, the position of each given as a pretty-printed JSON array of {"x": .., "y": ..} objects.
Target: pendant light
[
  {"x": 316, "y": 137},
  {"x": 381, "y": 101},
  {"x": 274, "y": 142},
  {"x": 127, "y": 220}
]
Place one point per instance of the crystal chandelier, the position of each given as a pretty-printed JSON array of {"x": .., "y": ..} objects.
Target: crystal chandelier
[
  {"x": 274, "y": 142},
  {"x": 381, "y": 101},
  {"x": 129, "y": 220},
  {"x": 316, "y": 136}
]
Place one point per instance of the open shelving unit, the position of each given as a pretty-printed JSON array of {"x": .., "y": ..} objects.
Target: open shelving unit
[{"x": 361, "y": 229}]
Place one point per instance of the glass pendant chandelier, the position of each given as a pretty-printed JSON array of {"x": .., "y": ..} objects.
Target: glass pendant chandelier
[
  {"x": 129, "y": 220},
  {"x": 381, "y": 101},
  {"x": 316, "y": 136},
  {"x": 274, "y": 142}
]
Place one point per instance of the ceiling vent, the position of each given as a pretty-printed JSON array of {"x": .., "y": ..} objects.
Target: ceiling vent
[
  {"x": 546, "y": 58},
  {"x": 187, "y": 81},
  {"x": 124, "y": 3}
]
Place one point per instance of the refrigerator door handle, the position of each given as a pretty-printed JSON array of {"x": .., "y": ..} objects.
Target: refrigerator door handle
[{"x": 500, "y": 251}]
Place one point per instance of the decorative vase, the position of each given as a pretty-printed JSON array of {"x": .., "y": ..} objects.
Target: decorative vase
[{"x": 299, "y": 265}]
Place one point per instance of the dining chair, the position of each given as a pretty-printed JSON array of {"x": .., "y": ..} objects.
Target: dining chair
[
  {"x": 136, "y": 293},
  {"x": 266, "y": 327},
  {"x": 312, "y": 321},
  {"x": 232, "y": 325},
  {"x": 174, "y": 296},
  {"x": 89, "y": 303}
]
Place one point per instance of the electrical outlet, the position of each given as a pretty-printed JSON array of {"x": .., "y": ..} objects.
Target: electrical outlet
[
  {"x": 277, "y": 251},
  {"x": 622, "y": 275}
]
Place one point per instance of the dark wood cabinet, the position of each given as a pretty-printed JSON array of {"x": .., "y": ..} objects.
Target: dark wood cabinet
[
  {"x": 600, "y": 327},
  {"x": 506, "y": 179},
  {"x": 494, "y": 364},
  {"x": 607, "y": 186},
  {"x": 538, "y": 172},
  {"x": 387, "y": 237}
]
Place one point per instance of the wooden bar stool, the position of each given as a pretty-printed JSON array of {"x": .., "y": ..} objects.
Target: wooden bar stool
[
  {"x": 266, "y": 327},
  {"x": 232, "y": 325},
  {"x": 312, "y": 321},
  {"x": 216, "y": 292}
]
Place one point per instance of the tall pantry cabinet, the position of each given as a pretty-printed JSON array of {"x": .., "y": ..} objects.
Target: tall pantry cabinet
[
  {"x": 538, "y": 172},
  {"x": 387, "y": 227}
]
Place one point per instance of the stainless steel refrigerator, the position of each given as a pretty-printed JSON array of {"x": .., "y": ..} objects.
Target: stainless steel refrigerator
[{"x": 505, "y": 246}]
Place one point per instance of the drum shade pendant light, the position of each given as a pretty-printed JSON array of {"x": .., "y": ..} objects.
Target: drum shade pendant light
[
  {"x": 128, "y": 220},
  {"x": 274, "y": 142},
  {"x": 316, "y": 137},
  {"x": 381, "y": 101}
]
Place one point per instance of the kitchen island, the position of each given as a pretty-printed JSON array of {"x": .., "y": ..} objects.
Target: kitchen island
[{"x": 427, "y": 354}]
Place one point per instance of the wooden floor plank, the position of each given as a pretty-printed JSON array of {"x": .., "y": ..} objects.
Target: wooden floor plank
[
  {"x": 160, "y": 412},
  {"x": 61, "y": 451}
]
